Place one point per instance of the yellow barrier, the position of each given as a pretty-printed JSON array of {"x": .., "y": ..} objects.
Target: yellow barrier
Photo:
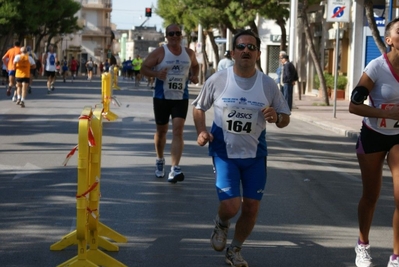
[
  {"x": 106, "y": 92},
  {"x": 115, "y": 78},
  {"x": 88, "y": 226}
]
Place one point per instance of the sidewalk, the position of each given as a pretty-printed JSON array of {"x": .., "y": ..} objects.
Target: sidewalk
[{"x": 311, "y": 109}]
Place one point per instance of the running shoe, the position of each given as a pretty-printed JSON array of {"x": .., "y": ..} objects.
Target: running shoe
[
  {"x": 234, "y": 258},
  {"x": 159, "y": 170},
  {"x": 175, "y": 175},
  {"x": 393, "y": 263},
  {"x": 363, "y": 258},
  {"x": 22, "y": 104},
  {"x": 219, "y": 236},
  {"x": 18, "y": 102},
  {"x": 8, "y": 91},
  {"x": 14, "y": 99}
]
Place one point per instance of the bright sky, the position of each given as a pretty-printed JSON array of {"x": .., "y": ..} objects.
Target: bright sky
[{"x": 128, "y": 13}]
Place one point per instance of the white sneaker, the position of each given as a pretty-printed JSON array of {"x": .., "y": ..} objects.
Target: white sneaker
[
  {"x": 234, "y": 258},
  {"x": 393, "y": 263},
  {"x": 363, "y": 258},
  {"x": 219, "y": 236},
  {"x": 175, "y": 175},
  {"x": 159, "y": 170},
  {"x": 14, "y": 99}
]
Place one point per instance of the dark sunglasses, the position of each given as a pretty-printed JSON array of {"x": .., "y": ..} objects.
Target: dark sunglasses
[
  {"x": 251, "y": 47},
  {"x": 171, "y": 34}
]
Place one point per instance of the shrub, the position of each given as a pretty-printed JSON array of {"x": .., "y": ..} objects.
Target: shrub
[{"x": 341, "y": 82}]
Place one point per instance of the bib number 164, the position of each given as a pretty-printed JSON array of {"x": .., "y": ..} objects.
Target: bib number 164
[{"x": 238, "y": 126}]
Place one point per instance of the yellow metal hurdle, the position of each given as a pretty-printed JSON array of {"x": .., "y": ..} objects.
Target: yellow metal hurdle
[
  {"x": 106, "y": 93},
  {"x": 89, "y": 234},
  {"x": 115, "y": 78}
]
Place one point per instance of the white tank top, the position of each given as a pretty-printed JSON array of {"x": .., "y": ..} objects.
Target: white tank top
[
  {"x": 176, "y": 84},
  {"x": 50, "y": 63},
  {"x": 239, "y": 118}
]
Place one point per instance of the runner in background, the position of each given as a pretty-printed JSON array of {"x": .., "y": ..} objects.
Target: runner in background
[{"x": 33, "y": 70}]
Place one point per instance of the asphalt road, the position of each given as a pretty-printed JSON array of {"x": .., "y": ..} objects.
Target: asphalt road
[{"x": 307, "y": 217}]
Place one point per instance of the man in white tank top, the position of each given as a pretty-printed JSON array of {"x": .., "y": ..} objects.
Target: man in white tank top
[
  {"x": 173, "y": 67},
  {"x": 246, "y": 102}
]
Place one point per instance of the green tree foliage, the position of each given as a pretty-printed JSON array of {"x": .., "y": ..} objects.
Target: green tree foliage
[{"x": 21, "y": 18}]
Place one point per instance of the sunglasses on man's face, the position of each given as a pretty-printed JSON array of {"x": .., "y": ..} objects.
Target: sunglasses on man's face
[
  {"x": 251, "y": 47},
  {"x": 177, "y": 33}
]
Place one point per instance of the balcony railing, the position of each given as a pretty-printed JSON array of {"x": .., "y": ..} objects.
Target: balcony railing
[
  {"x": 95, "y": 30},
  {"x": 97, "y": 3}
]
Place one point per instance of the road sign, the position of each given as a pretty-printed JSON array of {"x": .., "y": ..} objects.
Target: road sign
[{"x": 338, "y": 10}]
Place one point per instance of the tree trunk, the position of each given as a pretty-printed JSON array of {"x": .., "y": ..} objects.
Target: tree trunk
[
  {"x": 368, "y": 5},
  {"x": 312, "y": 51},
  {"x": 283, "y": 43},
  {"x": 214, "y": 46},
  {"x": 254, "y": 28}
]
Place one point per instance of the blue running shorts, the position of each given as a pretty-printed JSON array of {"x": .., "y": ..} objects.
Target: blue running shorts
[{"x": 232, "y": 173}]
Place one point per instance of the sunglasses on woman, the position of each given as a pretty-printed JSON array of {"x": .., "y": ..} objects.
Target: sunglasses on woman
[
  {"x": 177, "y": 33},
  {"x": 251, "y": 47}
]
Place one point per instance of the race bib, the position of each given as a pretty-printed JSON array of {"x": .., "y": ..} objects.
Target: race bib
[
  {"x": 175, "y": 82},
  {"x": 388, "y": 124},
  {"x": 240, "y": 120}
]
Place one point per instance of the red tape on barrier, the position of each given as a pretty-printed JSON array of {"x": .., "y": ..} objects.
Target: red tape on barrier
[
  {"x": 70, "y": 154},
  {"x": 92, "y": 141},
  {"x": 91, "y": 188}
]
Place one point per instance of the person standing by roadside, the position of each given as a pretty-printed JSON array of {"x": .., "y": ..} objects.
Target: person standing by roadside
[
  {"x": 289, "y": 76},
  {"x": 244, "y": 101},
  {"x": 378, "y": 140},
  {"x": 226, "y": 61},
  {"x": 137, "y": 62},
  {"x": 8, "y": 59},
  {"x": 173, "y": 66},
  {"x": 50, "y": 59},
  {"x": 278, "y": 71},
  {"x": 23, "y": 64},
  {"x": 89, "y": 67}
]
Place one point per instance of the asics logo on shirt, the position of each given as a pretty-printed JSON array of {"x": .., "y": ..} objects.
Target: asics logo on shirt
[
  {"x": 240, "y": 115},
  {"x": 174, "y": 79}
]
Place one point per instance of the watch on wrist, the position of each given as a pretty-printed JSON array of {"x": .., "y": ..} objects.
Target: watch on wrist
[{"x": 279, "y": 118}]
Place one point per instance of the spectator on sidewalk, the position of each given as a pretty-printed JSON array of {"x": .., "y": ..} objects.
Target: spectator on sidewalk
[
  {"x": 278, "y": 71},
  {"x": 289, "y": 76}
]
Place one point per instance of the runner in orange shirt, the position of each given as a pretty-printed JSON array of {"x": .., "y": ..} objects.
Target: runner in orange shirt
[
  {"x": 10, "y": 55},
  {"x": 23, "y": 64}
]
